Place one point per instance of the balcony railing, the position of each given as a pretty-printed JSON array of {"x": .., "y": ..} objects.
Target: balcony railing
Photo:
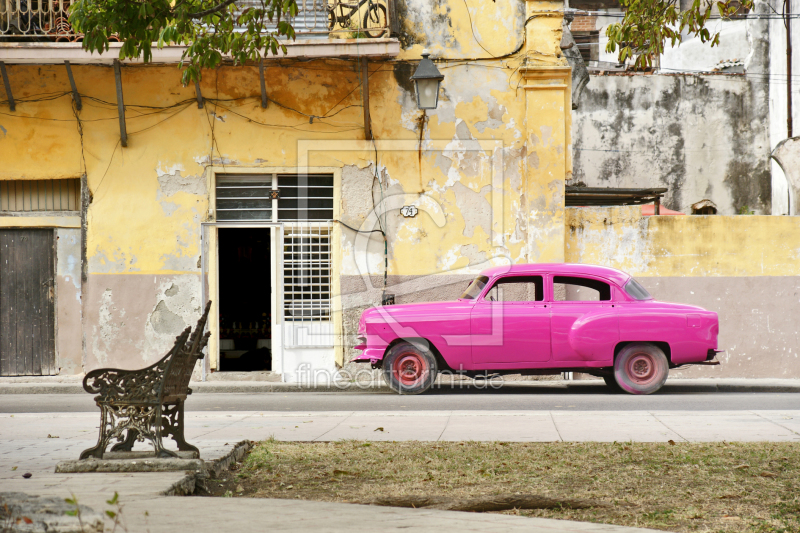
[{"x": 47, "y": 20}]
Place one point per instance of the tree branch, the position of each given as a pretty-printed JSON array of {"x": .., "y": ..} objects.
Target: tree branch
[{"x": 215, "y": 9}]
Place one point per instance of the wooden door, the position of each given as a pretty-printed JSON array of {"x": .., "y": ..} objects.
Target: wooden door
[{"x": 27, "y": 295}]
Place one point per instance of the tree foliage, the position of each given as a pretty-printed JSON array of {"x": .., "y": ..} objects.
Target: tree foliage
[
  {"x": 648, "y": 24},
  {"x": 210, "y": 29}
]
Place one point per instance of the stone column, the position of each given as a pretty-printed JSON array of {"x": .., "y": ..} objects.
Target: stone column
[{"x": 547, "y": 82}]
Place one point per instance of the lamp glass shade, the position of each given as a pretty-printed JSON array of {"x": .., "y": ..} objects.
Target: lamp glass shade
[{"x": 427, "y": 93}]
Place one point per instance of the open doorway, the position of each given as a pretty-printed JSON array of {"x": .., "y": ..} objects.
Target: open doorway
[{"x": 245, "y": 303}]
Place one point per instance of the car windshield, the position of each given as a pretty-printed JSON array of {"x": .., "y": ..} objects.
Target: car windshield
[
  {"x": 475, "y": 288},
  {"x": 635, "y": 290}
]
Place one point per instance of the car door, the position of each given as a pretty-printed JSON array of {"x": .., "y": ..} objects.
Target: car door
[
  {"x": 511, "y": 324},
  {"x": 584, "y": 322}
]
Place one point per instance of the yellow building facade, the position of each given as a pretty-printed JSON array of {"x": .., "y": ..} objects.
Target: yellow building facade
[{"x": 278, "y": 213}]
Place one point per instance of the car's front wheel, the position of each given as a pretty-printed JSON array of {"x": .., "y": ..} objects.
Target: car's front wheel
[
  {"x": 410, "y": 368},
  {"x": 611, "y": 383},
  {"x": 641, "y": 368}
]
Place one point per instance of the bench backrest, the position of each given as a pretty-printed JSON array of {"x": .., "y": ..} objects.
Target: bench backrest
[{"x": 175, "y": 384}]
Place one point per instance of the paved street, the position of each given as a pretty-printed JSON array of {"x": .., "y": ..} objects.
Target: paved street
[{"x": 554, "y": 397}]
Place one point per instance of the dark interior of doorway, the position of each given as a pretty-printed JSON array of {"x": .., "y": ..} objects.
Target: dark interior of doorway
[{"x": 245, "y": 312}]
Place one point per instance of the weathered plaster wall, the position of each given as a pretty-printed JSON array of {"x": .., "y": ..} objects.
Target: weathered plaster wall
[
  {"x": 131, "y": 320},
  {"x": 703, "y": 137},
  {"x": 69, "y": 339},
  {"x": 745, "y": 268},
  {"x": 486, "y": 168}
]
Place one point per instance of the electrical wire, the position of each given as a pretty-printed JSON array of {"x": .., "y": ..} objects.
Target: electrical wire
[
  {"x": 351, "y": 228},
  {"x": 295, "y": 127},
  {"x": 160, "y": 121},
  {"x": 212, "y": 125},
  {"x": 97, "y": 189},
  {"x": 472, "y": 28},
  {"x": 352, "y": 91}
]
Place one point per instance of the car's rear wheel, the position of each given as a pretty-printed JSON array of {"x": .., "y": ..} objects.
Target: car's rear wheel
[
  {"x": 410, "y": 368},
  {"x": 641, "y": 368}
]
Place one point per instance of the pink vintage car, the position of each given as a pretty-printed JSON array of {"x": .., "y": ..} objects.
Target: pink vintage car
[{"x": 536, "y": 320}]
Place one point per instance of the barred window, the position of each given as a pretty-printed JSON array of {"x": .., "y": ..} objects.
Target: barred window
[
  {"x": 307, "y": 271},
  {"x": 40, "y": 195}
]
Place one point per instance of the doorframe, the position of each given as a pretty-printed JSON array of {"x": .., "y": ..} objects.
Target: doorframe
[
  {"x": 209, "y": 256},
  {"x": 209, "y": 259}
]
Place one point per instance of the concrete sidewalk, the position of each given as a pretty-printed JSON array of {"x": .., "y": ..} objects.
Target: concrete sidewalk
[
  {"x": 35, "y": 443},
  {"x": 28, "y": 439},
  {"x": 73, "y": 385}
]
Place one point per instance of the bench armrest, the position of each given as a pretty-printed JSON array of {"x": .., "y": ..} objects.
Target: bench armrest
[{"x": 113, "y": 384}]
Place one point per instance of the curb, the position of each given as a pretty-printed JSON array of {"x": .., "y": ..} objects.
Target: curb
[
  {"x": 189, "y": 484},
  {"x": 196, "y": 470},
  {"x": 208, "y": 387},
  {"x": 379, "y": 387}
]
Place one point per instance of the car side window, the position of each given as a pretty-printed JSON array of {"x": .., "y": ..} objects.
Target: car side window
[
  {"x": 575, "y": 289},
  {"x": 517, "y": 289}
]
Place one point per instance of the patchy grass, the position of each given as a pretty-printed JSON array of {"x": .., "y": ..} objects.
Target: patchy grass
[{"x": 718, "y": 487}]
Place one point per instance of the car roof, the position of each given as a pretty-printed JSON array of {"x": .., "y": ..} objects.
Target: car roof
[{"x": 612, "y": 274}]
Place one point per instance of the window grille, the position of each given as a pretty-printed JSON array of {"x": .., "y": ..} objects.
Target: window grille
[
  {"x": 244, "y": 198},
  {"x": 40, "y": 195},
  {"x": 305, "y": 197},
  {"x": 307, "y": 271},
  {"x": 312, "y": 16},
  {"x": 35, "y": 17}
]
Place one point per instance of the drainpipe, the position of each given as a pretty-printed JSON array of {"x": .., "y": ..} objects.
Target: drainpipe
[{"x": 787, "y": 21}]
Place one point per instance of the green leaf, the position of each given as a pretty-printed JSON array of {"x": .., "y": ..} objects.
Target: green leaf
[
  {"x": 111, "y": 514},
  {"x": 113, "y": 500},
  {"x": 140, "y": 23}
]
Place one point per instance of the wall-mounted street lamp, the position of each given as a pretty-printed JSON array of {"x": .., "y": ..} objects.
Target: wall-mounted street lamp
[{"x": 427, "y": 79}]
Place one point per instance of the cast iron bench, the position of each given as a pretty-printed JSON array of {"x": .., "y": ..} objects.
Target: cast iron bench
[{"x": 147, "y": 403}]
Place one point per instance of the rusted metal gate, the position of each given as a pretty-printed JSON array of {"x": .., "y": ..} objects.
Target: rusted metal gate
[{"x": 27, "y": 313}]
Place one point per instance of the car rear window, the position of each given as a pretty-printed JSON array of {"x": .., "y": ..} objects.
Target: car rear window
[
  {"x": 577, "y": 289},
  {"x": 475, "y": 288},
  {"x": 636, "y": 291}
]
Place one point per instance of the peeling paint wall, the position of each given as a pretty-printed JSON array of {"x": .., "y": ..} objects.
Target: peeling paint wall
[
  {"x": 486, "y": 169},
  {"x": 132, "y": 320},
  {"x": 745, "y": 268},
  {"x": 69, "y": 338},
  {"x": 702, "y": 137}
]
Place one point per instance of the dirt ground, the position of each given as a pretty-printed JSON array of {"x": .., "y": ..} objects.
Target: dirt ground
[{"x": 717, "y": 487}]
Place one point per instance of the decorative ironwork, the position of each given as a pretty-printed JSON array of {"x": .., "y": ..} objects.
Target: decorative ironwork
[
  {"x": 147, "y": 404},
  {"x": 42, "y": 20}
]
